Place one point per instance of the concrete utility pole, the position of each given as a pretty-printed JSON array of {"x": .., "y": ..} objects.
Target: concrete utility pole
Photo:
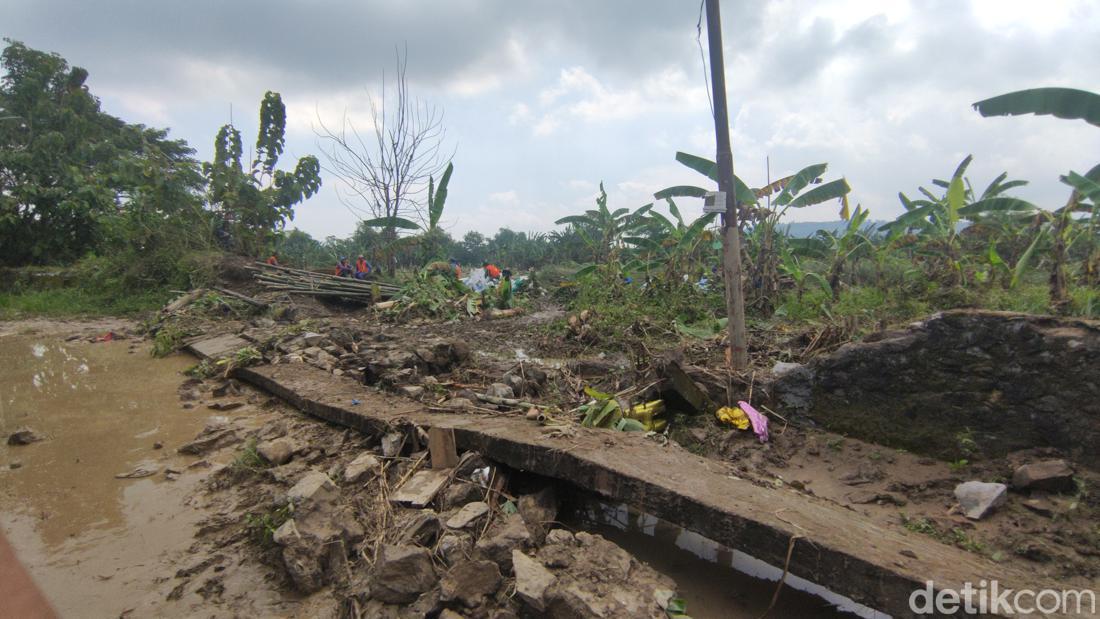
[{"x": 731, "y": 231}]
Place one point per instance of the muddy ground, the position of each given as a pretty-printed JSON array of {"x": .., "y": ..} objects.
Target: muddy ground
[{"x": 222, "y": 545}]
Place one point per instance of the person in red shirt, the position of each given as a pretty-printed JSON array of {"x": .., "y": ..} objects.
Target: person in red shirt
[
  {"x": 491, "y": 270},
  {"x": 273, "y": 260}
]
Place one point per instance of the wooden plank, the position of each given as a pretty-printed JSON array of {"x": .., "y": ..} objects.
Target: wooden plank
[
  {"x": 421, "y": 488},
  {"x": 441, "y": 444}
]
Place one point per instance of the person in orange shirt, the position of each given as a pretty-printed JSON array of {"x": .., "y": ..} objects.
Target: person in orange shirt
[
  {"x": 457, "y": 269},
  {"x": 491, "y": 270},
  {"x": 273, "y": 260},
  {"x": 362, "y": 268},
  {"x": 343, "y": 268}
]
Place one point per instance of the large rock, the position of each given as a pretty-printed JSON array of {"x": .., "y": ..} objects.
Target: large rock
[
  {"x": 422, "y": 528},
  {"x": 460, "y": 493},
  {"x": 978, "y": 498},
  {"x": 539, "y": 511},
  {"x": 401, "y": 574},
  {"x": 500, "y": 390},
  {"x": 313, "y": 488},
  {"x": 468, "y": 515},
  {"x": 532, "y": 580},
  {"x": 1051, "y": 475},
  {"x": 24, "y": 436},
  {"x": 498, "y": 547},
  {"x": 470, "y": 582},
  {"x": 277, "y": 451},
  {"x": 217, "y": 433},
  {"x": 364, "y": 466},
  {"x": 961, "y": 384}
]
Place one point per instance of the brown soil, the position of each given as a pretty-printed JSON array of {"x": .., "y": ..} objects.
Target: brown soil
[{"x": 231, "y": 567}]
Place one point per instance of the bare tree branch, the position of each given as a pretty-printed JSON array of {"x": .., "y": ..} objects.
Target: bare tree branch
[{"x": 384, "y": 172}]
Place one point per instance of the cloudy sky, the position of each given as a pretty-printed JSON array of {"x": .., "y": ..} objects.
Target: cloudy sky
[{"x": 544, "y": 99}]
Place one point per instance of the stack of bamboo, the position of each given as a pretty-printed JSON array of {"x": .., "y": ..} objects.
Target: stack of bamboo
[{"x": 298, "y": 281}]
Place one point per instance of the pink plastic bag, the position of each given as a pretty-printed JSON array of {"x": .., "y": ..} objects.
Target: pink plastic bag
[{"x": 759, "y": 422}]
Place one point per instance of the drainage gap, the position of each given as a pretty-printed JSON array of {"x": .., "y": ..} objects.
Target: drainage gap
[{"x": 715, "y": 581}]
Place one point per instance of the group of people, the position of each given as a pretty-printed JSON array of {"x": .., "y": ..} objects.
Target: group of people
[{"x": 360, "y": 270}]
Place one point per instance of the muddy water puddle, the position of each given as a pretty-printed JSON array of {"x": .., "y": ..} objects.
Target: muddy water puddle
[
  {"x": 87, "y": 537},
  {"x": 715, "y": 581}
]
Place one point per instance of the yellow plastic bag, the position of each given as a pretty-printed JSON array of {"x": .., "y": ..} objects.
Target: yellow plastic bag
[{"x": 731, "y": 415}]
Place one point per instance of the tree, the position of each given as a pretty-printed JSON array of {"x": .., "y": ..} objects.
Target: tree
[
  {"x": 255, "y": 204},
  {"x": 937, "y": 218},
  {"x": 603, "y": 229},
  {"x": 73, "y": 177},
  {"x": 1062, "y": 226},
  {"x": 765, "y": 220},
  {"x": 386, "y": 173}
]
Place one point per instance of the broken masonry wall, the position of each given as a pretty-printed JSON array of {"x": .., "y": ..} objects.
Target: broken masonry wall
[{"x": 961, "y": 384}]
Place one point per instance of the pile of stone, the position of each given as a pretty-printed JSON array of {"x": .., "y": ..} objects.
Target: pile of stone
[{"x": 458, "y": 557}]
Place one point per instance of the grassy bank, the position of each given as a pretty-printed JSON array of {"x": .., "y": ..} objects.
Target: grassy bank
[{"x": 77, "y": 302}]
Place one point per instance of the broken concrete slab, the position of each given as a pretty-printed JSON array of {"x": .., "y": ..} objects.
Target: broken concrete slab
[
  {"x": 978, "y": 498},
  {"x": 532, "y": 580},
  {"x": 421, "y": 488},
  {"x": 212, "y": 349},
  {"x": 1049, "y": 475},
  {"x": 687, "y": 388}
]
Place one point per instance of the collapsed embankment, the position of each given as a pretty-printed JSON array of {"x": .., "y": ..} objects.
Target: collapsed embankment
[
  {"x": 835, "y": 548},
  {"x": 962, "y": 384}
]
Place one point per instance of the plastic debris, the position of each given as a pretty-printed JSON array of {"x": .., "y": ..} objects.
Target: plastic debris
[
  {"x": 731, "y": 415},
  {"x": 759, "y": 422},
  {"x": 355, "y": 402}
]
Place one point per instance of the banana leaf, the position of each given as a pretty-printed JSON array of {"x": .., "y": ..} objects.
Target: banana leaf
[
  {"x": 437, "y": 196},
  {"x": 996, "y": 205},
  {"x": 1025, "y": 259},
  {"x": 1087, "y": 187},
  {"x": 680, "y": 191},
  {"x": 822, "y": 193},
  {"x": 1068, "y": 103},
  {"x": 391, "y": 222},
  {"x": 799, "y": 181}
]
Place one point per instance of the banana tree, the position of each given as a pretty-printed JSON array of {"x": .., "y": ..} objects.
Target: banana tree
[
  {"x": 672, "y": 249},
  {"x": 845, "y": 247},
  {"x": 1070, "y": 104},
  {"x": 1063, "y": 230},
  {"x": 792, "y": 267},
  {"x": 764, "y": 221},
  {"x": 603, "y": 229},
  {"x": 937, "y": 218}
]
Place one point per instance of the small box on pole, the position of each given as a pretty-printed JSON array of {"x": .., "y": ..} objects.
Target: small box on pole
[{"x": 714, "y": 202}]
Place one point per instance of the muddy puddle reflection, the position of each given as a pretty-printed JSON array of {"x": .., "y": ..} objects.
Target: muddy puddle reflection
[
  {"x": 716, "y": 582},
  {"x": 103, "y": 407}
]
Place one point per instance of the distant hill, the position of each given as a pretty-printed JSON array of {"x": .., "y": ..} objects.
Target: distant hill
[{"x": 804, "y": 229}]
